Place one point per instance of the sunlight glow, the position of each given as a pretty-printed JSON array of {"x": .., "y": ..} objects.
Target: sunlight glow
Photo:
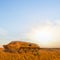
[{"x": 43, "y": 37}]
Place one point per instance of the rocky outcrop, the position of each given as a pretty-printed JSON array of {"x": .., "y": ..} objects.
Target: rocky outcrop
[{"x": 20, "y": 47}]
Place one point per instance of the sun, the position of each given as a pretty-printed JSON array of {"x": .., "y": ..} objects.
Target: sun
[{"x": 42, "y": 37}]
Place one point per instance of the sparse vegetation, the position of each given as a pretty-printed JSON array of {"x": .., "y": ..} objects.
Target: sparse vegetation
[{"x": 30, "y": 54}]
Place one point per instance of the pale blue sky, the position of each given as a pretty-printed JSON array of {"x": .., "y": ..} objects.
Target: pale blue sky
[{"x": 17, "y": 17}]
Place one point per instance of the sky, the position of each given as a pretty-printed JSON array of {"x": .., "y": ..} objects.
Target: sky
[{"x": 19, "y": 17}]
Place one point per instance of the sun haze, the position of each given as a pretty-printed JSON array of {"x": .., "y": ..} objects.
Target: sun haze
[{"x": 45, "y": 35}]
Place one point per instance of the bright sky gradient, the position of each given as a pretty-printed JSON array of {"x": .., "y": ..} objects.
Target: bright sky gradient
[{"x": 19, "y": 17}]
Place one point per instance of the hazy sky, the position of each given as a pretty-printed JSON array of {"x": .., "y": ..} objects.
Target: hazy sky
[{"x": 19, "y": 17}]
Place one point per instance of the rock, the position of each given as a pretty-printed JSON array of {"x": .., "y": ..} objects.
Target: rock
[{"x": 18, "y": 46}]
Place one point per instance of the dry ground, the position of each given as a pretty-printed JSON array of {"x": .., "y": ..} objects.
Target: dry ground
[{"x": 43, "y": 54}]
